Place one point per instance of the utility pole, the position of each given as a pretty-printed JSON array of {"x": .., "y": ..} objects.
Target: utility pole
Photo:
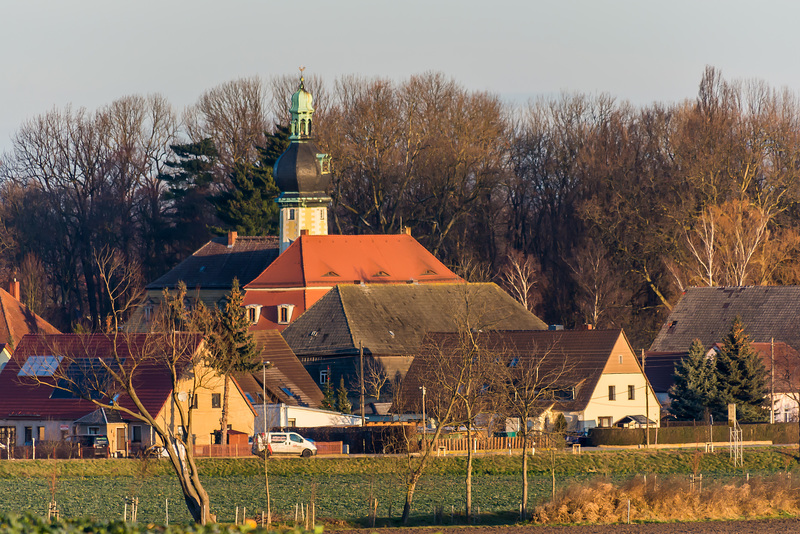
[
  {"x": 424, "y": 419},
  {"x": 772, "y": 380},
  {"x": 646, "y": 397},
  {"x": 266, "y": 440},
  {"x": 361, "y": 357}
]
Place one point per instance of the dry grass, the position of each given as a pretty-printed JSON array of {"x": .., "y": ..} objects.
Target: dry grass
[{"x": 672, "y": 499}]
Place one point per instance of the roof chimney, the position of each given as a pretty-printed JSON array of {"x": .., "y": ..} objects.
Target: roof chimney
[
  {"x": 304, "y": 231},
  {"x": 232, "y": 239},
  {"x": 407, "y": 230},
  {"x": 13, "y": 288}
]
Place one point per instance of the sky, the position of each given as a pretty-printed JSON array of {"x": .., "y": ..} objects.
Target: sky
[{"x": 88, "y": 53}]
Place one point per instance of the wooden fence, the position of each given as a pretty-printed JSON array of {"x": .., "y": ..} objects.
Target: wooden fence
[
  {"x": 497, "y": 444},
  {"x": 236, "y": 451}
]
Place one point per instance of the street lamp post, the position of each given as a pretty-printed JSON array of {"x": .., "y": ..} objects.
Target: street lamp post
[{"x": 424, "y": 419}]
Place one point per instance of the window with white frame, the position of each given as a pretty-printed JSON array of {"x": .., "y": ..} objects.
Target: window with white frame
[
  {"x": 285, "y": 313},
  {"x": 253, "y": 313},
  {"x": 324, "y": 376}
]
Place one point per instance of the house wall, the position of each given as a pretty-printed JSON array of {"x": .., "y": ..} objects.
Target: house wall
[
  {"x": 206, "y": 418},
  {"x": 601, "y": 406},
  {"x": 621, "y": 371},
  {"x": 282, "y": 415},
  {"x": 5, "y": 355},
  {"x": 52, "y": 429}
]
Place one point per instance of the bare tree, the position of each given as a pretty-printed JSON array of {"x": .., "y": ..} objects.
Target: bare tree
[
  {"x": 530, "y": 381},
  {"x": 111, "y": 371},
  {"x": 437, "y": 357},
  {"x": 520, "y": 276},
  {"x": 233, "y": 114},
  {"x": 600, "y": 293}
]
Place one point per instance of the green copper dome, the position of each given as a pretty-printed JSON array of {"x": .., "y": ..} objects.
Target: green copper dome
[
  {"x": 302, "y": 171},
  {"x": 302, "y": 112}
]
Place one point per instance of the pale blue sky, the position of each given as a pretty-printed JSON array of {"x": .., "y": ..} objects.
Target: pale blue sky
[{"x": 90, "y": 52}]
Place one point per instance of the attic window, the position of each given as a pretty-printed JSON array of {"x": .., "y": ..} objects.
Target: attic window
[
  {"x": 253, "y": 313},
  {"x": 330, "y": 273},
  {"x": 428, "y": 272},
  {"x": 391, "y": 333},
  {"x": 313, "y": 334},
  {"x": 285, "y": 313},
  {"x": 381, "y": 273}
]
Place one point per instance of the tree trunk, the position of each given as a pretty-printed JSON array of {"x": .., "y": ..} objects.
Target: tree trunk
[
  {"x": 524, "y": 476},
  {"x": 468, "y": 497},
  {"x": 410, "y": 488},
  {"x": 194, "y": 495}
]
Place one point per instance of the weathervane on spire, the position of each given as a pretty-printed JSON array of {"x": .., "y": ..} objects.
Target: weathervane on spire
[{"x": 302, "y": 79}]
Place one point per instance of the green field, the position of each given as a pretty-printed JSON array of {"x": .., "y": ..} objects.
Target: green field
[{"x": 340, "y": 487}]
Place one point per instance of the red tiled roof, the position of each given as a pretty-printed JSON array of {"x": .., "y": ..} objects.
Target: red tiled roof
[
  {"x": 328, "y": 260},
  {"x": 152, "y": 382},
  {"x": 16, "y": 320}
]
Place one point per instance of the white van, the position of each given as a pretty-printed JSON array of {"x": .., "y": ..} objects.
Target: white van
[{"x": 283, "y": 443}]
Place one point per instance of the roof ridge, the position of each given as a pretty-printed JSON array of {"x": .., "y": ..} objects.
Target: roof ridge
[{"x": 346, "y": 316}]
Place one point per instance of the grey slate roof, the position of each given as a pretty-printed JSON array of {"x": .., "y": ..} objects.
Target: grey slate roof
[
  {"x": 392, "y": 319},
  {"x": 215, "y": 265},
  {"x": 706, "y": 313}
]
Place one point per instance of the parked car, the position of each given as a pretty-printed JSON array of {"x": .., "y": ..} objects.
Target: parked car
[
  {"x": 93, "y": 444},
  {"x": 283, "y": 443}
]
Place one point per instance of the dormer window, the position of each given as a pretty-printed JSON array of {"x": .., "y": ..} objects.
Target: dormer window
[
  {"x": 285, "y": 313},
  {"x": 324, "y": 163},
  {"x": 253, "y": 313}
]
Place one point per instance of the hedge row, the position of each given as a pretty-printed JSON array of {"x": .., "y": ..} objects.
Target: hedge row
[{"x": 778, "y": 433}]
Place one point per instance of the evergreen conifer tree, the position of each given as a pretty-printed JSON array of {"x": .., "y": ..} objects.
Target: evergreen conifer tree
[
  {"x": 741, "y": 378},
  {"x": 695, "y": 385},
  {"x": 328, "y": 399},
  {"x": 190, "y": 179},
  {"x": 249, "y": 205},
  {"x": 232, "y": 346},
  {"x": 342, "y": 402}
]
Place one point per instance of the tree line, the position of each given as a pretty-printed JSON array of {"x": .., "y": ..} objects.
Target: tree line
[{"x": 588, "y": 209}]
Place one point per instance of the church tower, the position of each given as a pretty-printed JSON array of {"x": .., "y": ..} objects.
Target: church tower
[{"x": 303, "y": 176}]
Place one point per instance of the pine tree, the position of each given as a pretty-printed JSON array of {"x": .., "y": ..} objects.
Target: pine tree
[
  {"x": 342, "y": 402},
  {"x": 184, "y": 225},
  {"x": 695, "y": 385},
  {"x": 741, "y": 377},
  {"x": 249, "y": 205},
  {"x": 328, "y": 400},
  {"x": 232, "y": 346}
]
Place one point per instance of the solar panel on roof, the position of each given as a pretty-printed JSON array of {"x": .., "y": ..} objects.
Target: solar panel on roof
[{"x": 40, "y": 366}]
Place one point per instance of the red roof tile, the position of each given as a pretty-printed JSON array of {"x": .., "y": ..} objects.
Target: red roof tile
[
  {"x": 16, "y": 320},
  {"x": 19, "y": 398},
  {"x": 328, "y": 260}
]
